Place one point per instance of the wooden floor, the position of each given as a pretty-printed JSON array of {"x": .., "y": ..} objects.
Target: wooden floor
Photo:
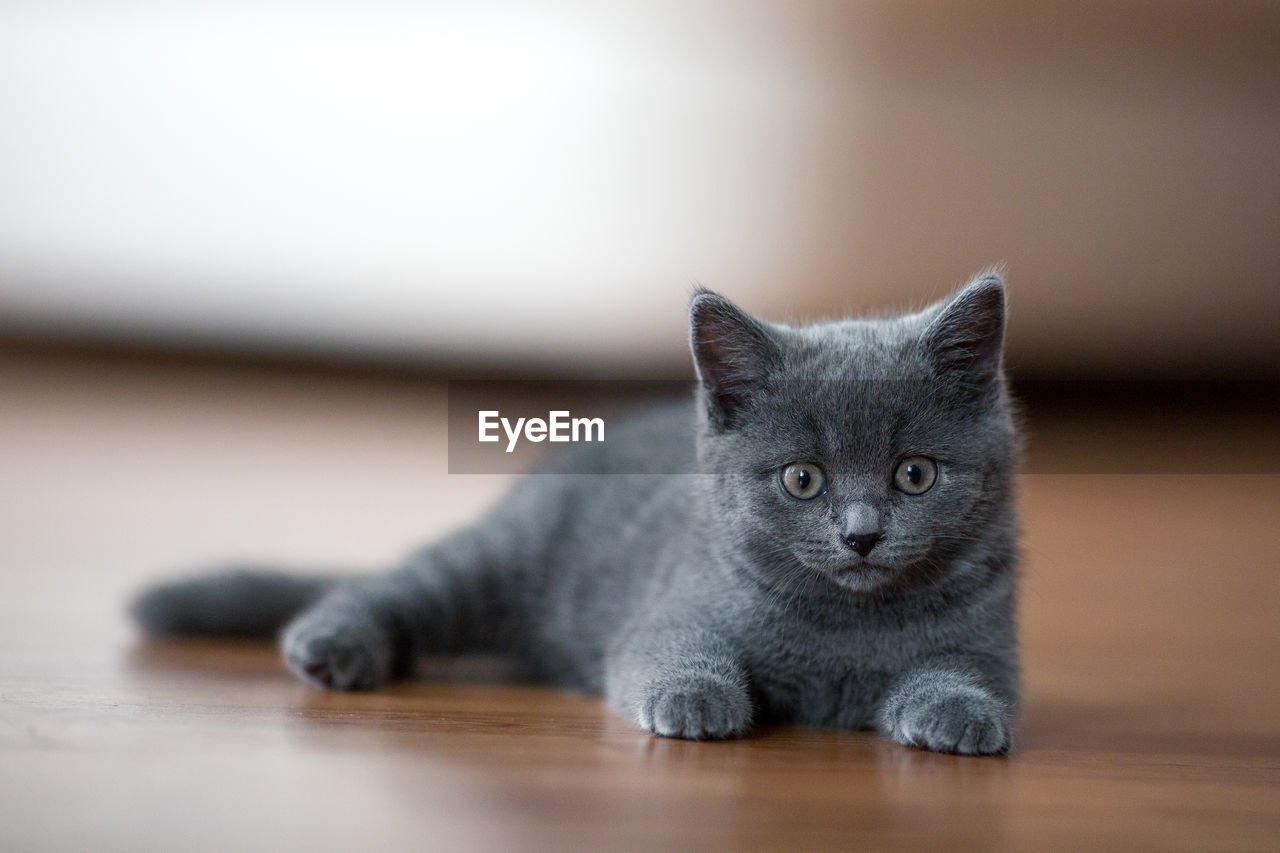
[{"x": 1150, "y": 616}]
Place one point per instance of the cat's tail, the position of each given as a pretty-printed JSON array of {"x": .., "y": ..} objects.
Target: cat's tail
[{"x": 229, "y": 603}]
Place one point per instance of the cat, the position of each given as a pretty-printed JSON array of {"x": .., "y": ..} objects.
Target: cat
[{"x": 840, "y": 552}]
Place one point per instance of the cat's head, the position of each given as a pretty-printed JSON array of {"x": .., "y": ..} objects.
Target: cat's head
[{"x": 868, "y": 451}]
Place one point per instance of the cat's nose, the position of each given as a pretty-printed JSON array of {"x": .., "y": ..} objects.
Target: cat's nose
[
  {"x": 862, "y": 527},
  {"x": 862, "y": 542}
]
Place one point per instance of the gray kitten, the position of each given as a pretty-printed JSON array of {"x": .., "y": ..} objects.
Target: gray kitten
[{"x": 841, "y": 551}]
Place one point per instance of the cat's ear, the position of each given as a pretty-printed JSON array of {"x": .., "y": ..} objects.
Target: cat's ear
[
  {"x": 732, "y": 351},
  {"x": 966, "y": 335}
]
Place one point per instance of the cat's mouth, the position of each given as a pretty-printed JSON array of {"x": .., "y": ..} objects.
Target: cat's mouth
[
  {"x": 861, "y": 566},
  {"x": 860, "y": 574},
  {"x": 857, "y": 573}
]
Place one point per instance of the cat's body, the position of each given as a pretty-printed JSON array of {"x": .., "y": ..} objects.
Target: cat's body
[{"x": 701, "y": 602}]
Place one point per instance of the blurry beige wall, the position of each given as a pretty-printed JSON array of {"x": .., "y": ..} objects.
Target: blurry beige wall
[{"x": 535, "y": 185}]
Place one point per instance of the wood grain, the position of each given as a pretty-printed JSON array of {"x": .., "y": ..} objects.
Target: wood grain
[{"x": 1149, "y": 613}]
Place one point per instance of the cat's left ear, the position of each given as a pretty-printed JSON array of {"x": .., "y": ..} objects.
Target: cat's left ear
[
  {"x": 967, "y": 334},
  {"x": 733, "y": 353}
]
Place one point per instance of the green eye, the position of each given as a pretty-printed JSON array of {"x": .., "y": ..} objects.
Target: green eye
[
  {"x": 915, "y": 475},
  {"x": 803, "y": 480}
]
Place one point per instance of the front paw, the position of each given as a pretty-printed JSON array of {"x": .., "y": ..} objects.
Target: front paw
[
  {"x": 963, "y": 723},
  {"x": 696, "y": 708},
  {"x": 338, "y": 651}
]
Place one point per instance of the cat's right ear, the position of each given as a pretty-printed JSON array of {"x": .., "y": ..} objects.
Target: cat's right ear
[
  {"x": 966, "y": 335},
  {"x": 732, "y": 351}
]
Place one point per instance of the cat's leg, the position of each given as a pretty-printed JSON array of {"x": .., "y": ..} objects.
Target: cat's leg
[
  {"x": 679, "y": 682},
  {"x": 949, "y": 705},
  {"x": 458, "y": 595}
]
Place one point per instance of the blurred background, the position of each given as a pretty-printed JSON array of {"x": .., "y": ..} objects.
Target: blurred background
[{"x": 533, "y": 187}]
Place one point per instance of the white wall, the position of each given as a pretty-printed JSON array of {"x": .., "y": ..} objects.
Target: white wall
[
  {"x": 536, "y": 184},
  {"x": 502, "y": 179}
]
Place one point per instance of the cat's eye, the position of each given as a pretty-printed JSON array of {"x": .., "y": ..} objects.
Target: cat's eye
[
  {"x": 803, "y": 480},
  {"x": 915, "y": 475}
]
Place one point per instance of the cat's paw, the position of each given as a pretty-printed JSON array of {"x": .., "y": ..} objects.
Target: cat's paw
[
  {"x": 696, "y": 709},
  {"x": 964, "y": 723},
  {"x": 338, "y": 651}
]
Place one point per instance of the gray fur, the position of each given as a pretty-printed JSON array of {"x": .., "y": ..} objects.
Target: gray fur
[
  {"x": 704, "y": 602},
  {"x": 239, "y": 601}
]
